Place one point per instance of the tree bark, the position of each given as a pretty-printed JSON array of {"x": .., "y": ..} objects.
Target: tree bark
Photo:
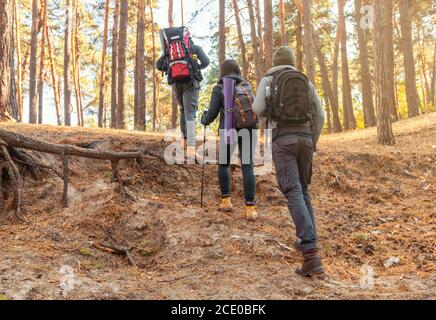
[
  {"x": 260, "y": 38},
  {"x": 114, "y": 76},
  {"x": 269, "y": 41},
  {"x": 153, "y": 37},
  {"x": 365, "y": 81},
  {"x": 33, "y": 112},
  {"x": 102, "y": 80},
  {"x": 409, "y": 60},
  {"x": 241, "y": 40},
  {"x": 222, "y": 32},
  {"x": 255, "y": 42},
  {"x": 433, "y": 77},
  {"x": 390, "y": 67},
  {"x": 67, "y": 60},
  {"x": 335, "y": 71},
  {"x": 18, "y": 54},
  {"x": 139, "y": 108},
  {"x": 8, "y": 111},
  {"x": 381, "y": 59},
  {"x": 283, "y": 31},
  {"x": 122, "y": 48},
  {"x": 299, "y": 38},
  {"x": 349, "y": 119},
  {"x": 42, "y": 72},
  {"x": 307, "y": 41}
]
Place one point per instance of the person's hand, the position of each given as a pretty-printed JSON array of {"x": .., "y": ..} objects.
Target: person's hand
[{"x": 203, "y": 118}]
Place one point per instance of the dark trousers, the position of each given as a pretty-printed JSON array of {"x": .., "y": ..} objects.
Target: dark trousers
[
  {"x": 292, "y": 156},
  {"x": 247, "y": 140},
  {"x": 187, "y": 97}
]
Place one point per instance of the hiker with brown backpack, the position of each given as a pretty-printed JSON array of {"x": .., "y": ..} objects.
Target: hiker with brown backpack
[
  {"x": 232, "y": 99},
  {"x": 292, "y": 108},
  {"x": 182, "y": 62}
]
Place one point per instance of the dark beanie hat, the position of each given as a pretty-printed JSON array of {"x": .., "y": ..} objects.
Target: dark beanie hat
[{"x": 284, "y": 56}]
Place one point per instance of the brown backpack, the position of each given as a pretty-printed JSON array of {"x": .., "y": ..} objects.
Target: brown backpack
[{"x": 244, "y": 115}]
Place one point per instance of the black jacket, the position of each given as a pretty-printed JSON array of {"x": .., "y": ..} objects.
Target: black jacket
[
  {"x": 216, "y": 105},
  {"x": 201, "y": 63}
]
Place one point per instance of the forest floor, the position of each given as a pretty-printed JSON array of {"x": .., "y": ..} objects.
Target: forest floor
[{"x": 375, "y": 209}]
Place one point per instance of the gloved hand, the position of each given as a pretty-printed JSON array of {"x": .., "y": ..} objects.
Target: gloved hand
[{"x": 203, "y": 119}]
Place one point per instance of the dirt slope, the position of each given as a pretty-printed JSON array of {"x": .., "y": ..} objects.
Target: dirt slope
[{"x": 374, "y": 205}]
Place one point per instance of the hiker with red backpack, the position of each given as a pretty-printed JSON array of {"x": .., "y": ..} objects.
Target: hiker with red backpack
[
  {"x": 292, "y": 108},
  {"x": 182, "y": 62},
  {"x": 232, "y": 99}
]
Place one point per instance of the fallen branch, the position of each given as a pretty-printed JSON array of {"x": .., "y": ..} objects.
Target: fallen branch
[{"x": 112, "y": 248}]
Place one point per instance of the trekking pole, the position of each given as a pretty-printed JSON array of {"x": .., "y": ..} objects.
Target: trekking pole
[{"x": 203, "y": 165}]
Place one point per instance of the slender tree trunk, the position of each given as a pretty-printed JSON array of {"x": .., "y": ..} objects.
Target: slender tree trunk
[
  {"x": 423, "y": 65},
  {"x": 182, "y": 12},
  {"x": 18, "y": 53},
  {"x": 74, "y": 61},
  {"x": 53, "y": 77},
  {"x": 67, "y": 60},
  {"x": 335, "y": 103},
  {"x": 42, "y": 72},
  {"x": 222, "y": 32},
  {"x": 307, "y": 41},
  {"x": 390, "y": 68},
  {"x": 140, "y": 69},
  {"x": 114, "y": 76},
  {"x": 409, "y": 60},
  {"x": 33, "y": 112},
  {"x": 381, "y": 59},
  {"x": 174, "y": 103},
  {"x": 367, "y": 101},
  {"x": 300, "y": 55},
  {"x": 254, "y": 41},
  {"x": 433, "y": 77},
  {"x": 269, "y": 41},
  {"x": 349, "y": 119},
  {"x": 241, "y": 40},
  {"x": 8, "y": 107},
  {"x": 77, "y": 49},
  {"x": 260, "y": 38},
  {"x": 102, "y": 80},
  {"x": 122, "y": 47},
  {"x": 153, "y": 36},
  {"x": 283, "y": 31}
]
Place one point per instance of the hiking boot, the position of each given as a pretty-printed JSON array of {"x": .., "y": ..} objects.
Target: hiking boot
[
  {"x": 250, "y": 213},
  {"x": 226, "y": 205},
  {"x": 312, "y": 264}
]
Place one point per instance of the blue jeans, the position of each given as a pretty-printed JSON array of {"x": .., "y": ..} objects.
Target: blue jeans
[
  {"x": 187, "y": 97},
  {"x": 292, "y": 156},
  {"x": 247, "y": 151}
]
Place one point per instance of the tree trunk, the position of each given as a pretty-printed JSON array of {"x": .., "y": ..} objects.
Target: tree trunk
[
  {"x": 255, "y": 42},
  {"x": 8, "y": 111},
  {"x": 381, "y": 59},
  {"x": 299, "y": 36},
  {"x": 307, "y": 41},
  {"x": 18, "y": 53},
  {"x": 367, "y": 101},
  {"x": 269, "y": 41},
  {"x": 56, "y": 93},
  {"x": 335, "y": 103},
  {"x": 42, "y": 72},
  {"x": 222, "y": 32},
  {"x": 182, "y": 12},
  {"x": 139, "y": 108},
  {"x": 67, "y": 60},
  {"x": 114, "y": 80},
  {"x": 33, "y": 112},
  {"x": 174, "y": 103},
  {"x": 122, "y": 48},
  {"x": 153, "y": 37},
  {"x": 409, "y": 60},
  {"x": 390, "y": 67},
  {"x": 102, "y": 82},
  {"x": 241, "y": 40},
  {"x": 283, "y": 31},
  {"x": 433, "y": 77},
  {"x": 349, "y": 119},
  {"x": 260, "y": 39}
]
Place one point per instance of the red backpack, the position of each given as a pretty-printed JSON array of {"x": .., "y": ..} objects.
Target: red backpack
[{"x": 178, "y": 45}]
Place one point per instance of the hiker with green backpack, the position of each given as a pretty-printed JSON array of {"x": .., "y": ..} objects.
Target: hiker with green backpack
[
  {"x": 292, "y": 108},
  {"x": 232, "y": 99}
]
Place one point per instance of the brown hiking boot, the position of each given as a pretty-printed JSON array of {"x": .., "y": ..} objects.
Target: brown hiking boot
[
  {"x": 251, "y": 213},
  {"x": 312, "y": 264},
  {"x": 226, "y": 205}
]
